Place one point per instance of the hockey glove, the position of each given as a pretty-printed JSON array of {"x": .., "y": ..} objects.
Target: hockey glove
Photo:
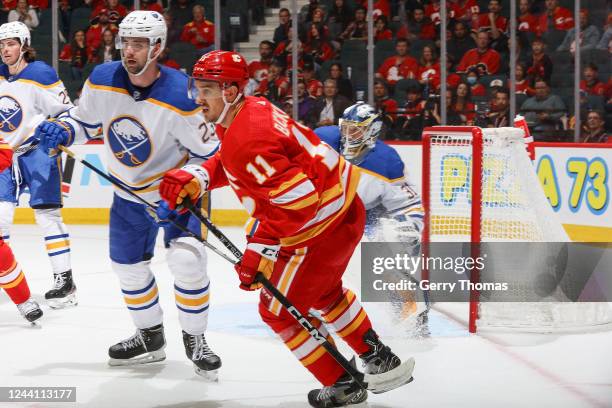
[
  {"x": 164, "y": 215},
  {"x": 53, "y": 133},
  {"x": 260, "y": 256},
  {"x": 190, "y": 182}
]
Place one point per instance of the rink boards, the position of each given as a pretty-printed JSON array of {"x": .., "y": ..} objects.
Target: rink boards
[{"x": 575, "y": 178}]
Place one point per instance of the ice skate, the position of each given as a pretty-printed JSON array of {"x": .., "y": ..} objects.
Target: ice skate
[
  {"x": 384, "y": 371},
  {"x": 63, "y": 293},
  {"x": 345, "y": 392},
  {"x": 30, "y": 310},
  {"x": 145, "y": 346},
  {"x": 205, "y": 361}
]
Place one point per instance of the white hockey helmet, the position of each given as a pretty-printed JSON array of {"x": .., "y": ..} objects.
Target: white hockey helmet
[
  {"x": 16, "y": 29},
  {"x": 143, "y": 24}
]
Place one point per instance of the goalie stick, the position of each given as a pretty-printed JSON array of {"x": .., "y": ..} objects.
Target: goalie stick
[{"x": 377, "y": 383}]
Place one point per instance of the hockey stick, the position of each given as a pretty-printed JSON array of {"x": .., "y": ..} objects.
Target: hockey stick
[
  {"x": 299, "y": 317},
  {"x": 143, "y": 201}
]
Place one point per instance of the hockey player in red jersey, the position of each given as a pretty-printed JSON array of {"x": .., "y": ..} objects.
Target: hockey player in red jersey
[
  {"x": 304, "y": 195},
  {"x": 12, "y": 279}
]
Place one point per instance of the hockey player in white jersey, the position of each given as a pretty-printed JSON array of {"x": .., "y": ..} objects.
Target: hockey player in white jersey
[
  {"x": 393, "y": 208},
  {"x": 30, "y": 91},
  {"x": 149, "y": 126}
]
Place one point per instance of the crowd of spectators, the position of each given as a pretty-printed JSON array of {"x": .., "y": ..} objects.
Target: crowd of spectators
[{"x": 408, "y": 71}]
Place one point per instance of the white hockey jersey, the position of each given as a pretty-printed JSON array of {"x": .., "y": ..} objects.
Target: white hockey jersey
[
  {"x": 28, "y": 98},
  {"x": 146, "y": 131}
]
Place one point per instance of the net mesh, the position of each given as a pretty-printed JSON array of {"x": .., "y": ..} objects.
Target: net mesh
[{"x": 513, "y": 208}]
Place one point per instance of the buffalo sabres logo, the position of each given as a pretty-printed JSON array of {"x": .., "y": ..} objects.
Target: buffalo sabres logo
[
  {"x": 10, "y": 114},
  {"x": 129, "y": 141}
]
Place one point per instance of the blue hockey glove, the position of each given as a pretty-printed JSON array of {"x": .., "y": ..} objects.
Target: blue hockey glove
[
  {"x": 164, "y": 214},
  {"x": 53, "y": 133}
]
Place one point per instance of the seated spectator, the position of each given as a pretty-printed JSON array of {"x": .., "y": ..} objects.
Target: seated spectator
[
  {"x": 106, "y": 52},
  {"x": 465, "y": 10},
  {"x": 382, "y": 31},
  {"x": 418, "y": 26},
  {"x": 24, "y": 13},
  {"x": 318, "y": 19},
  {"x": 482, "y": 58},
  {"x": 381, "y": 7},
  {"x": 181, "y": 11},
  {"x": 76, "y": 53},
  {"x": 432, "y": 111},
  {"x": 114, "y": 10},
  {"x": 555, "y": 17},
  {"x": 284, "y": 50},
  {"x": 400, "y": 66},
  {"x": 317, "y": 46},
  {"x": 386, "y": 106},
  {"x": 305, "y": 102},
  {"x": 429, "y": 66},
  {"x": 281, "y": 32},
  {"x": 258, "y": 70},
  {"x": 589, "y": 35},
  {"x": 492, "y": 21},
  {"x": 307, "y": 12},
  {"x": 594, "y": 129},
  {"x": 523, "y": 86},
  {"x": 173, "y": 30},
  {"x": 544, "y": 110},
  {"x": 539, "y": 65},
  {"x": 313, "y": 85},
  {"x": 462, "y": 105},
  {"x": 358, "y": 28},
  {"x": 410, "y": 120},
  {"x": 432, "y": 11},
  {"x": 452, "y": 78},
  {"x": 199, "y": 32},
  {"x": 275, "y": 86},
  {"x": 339, "y": 17},
  {"x": 527, "y": 21},
  {"x": 328, "y": 108},
  {"x": 150, "y": 5},
  {"x": 99, "y": 24},
  {"x": 164, "y": 59},
  {"x": 500, "y": 110},
  {"x": 591, "y": 83},
  {"x": 604, "y": 42},
  {"x": 460, "y": 42},
  {"x": 476, "y": 88},
  {"x": 344, "y": 85}
]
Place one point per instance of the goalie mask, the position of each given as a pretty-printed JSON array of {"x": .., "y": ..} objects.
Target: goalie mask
[
  {"x": 142, "y": 24},
  {"x": 360, "y": 126},
  {"x": 16, "y": 29}
]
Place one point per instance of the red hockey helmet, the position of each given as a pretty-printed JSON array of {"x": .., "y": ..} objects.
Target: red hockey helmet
[{"x": 225, "y": 67}]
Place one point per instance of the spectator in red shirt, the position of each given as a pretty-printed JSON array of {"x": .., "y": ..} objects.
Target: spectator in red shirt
[
  {"x": 476, "y": 88},
  {"x": 357, "y": 29},
  {"x": 418, "y": 26},
  {"x": 313, "y": 85},
  {"x": 429, "y": 66},
  {"x": 276, "y": 86},
  {"x": 386, "y": 106},
  {"x": 317, "y": 45},
  {"x": 465, "y": 10},
  {"x": 114, "y": 10},
  {"x": 527, "y": 21},
  {"x": 483, "y": 58},
  {"x": 382, "y": 31},
  {"x": 522, "y": 83},
  {"x": 284, "y": 50},
  {"x": 258, "y": 70},
  {"x": 199, "y": 32},
  {"x": 400, "y": 66},
  {"x": 462, "y": 105},
  {"x": 591, "y": 83},
  {"x": 492, "y": 21},
  {"x": 432, "y": 11},
  {"x": 539, "y": 65},
  {"x": 555, "y": 17},
  {"x": 151, "y": 5},
  {"x": 76, "y": 53},
  {"x": 99, "y": 24}
]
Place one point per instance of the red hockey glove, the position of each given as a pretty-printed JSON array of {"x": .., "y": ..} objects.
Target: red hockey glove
[
  {"x": 190, "y": 181},
  {"x": 259, "y": 256}
]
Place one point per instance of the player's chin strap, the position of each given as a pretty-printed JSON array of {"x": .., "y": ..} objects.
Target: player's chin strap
[{"x": 227, "y": 106}]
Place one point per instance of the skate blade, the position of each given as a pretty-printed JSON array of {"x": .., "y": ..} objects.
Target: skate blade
[
  {"x": 148, "y": 358},
  {"x": 400, "y": 375},
  {"x": 209, "y": 376},
  {"x": 62, "y": 303}
]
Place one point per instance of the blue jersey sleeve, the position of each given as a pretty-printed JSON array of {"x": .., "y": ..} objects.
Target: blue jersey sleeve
[{"x": 330, "y": 135}]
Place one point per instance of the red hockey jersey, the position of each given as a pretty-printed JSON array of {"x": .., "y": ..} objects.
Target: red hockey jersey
[
  {"x": 6, "y": 155},
  {"x": 295, "y": 185},
  {"x": 487, "y": 62}
]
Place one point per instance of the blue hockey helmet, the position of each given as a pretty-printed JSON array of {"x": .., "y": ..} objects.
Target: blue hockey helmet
[{"x": 360, "y": 126}]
